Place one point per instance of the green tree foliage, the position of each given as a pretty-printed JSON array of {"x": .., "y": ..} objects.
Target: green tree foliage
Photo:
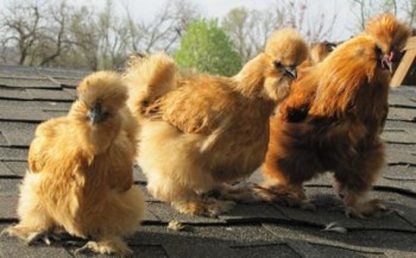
[{"x": 206, "y": 47}]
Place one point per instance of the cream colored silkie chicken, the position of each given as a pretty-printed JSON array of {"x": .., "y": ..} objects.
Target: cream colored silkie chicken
[
  {"x": 80, "y": 176},
  {"x": 199, "y": 131}
]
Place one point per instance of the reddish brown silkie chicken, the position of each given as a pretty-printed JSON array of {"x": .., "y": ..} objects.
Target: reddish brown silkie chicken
[{"x": 332, "y": 121}]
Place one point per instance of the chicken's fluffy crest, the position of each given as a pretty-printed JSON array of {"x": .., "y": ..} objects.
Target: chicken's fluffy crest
[
  {"x": 103, "y": 87},
  {"x": 388, "y": 31},
  {"x": 287, "y": 44}
]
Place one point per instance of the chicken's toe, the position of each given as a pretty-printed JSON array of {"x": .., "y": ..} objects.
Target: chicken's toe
[
  {"x": 106, "y": 247},
  {"x": 28, "y": 234},
  {"x": 242, "y": 194},
  {"x": 374, "y": 207},
  {"x": 214, "y": 207},
  {"x": 204, "y": 206},
  {"x": 288, "y": 196}
]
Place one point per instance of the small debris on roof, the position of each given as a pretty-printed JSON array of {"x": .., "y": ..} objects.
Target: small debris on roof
[
  {"x": 334, "y": 227},
  {"x": 176, "y": 225}
]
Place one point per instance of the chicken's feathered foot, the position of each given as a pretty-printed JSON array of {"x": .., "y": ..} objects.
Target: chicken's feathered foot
[
  {"x": 204, "y": 206},
  {"x": 238, "y": 193},
  {"x": 292, "y": 196},
  {"x": 114, "y": 245},
  {"x": 29, "y": 235},
  {"x": 356, "y": 207}
]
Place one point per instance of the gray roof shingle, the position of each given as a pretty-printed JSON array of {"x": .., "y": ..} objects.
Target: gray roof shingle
[{"x": 30, "y": 95}]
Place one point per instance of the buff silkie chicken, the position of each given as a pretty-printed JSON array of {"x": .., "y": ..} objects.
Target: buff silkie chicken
[
  {"x": 332, "y": 121},
  {"x": 317, "y": 52},
  {"x": 320, "y": 50},
  {"x": 200, "y": 132},
  {"x": 80, "y": 176}
]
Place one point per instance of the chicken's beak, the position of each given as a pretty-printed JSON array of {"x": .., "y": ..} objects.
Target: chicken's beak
[
  {"x": 395, "y": 55},
  {"x": 386, "y": 62},
  {"x": 96, "y": 114},
  {"x": 291, "y": 72},
  {"x": 332, "y": 47}
]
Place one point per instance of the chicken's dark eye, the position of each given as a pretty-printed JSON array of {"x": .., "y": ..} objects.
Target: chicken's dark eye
[
  {"x": 379, "y": 52},
  {"x": 145, "y": 103},
  {"x": 278, "y": 64}
]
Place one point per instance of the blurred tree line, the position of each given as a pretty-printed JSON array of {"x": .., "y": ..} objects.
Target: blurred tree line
[
  {"x": 57, "y": 33},
  {"x": 365, "y": 9}
]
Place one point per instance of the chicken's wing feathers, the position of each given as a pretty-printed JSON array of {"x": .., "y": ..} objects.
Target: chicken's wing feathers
[
  {"x": 196, "y": 108},
  {"x": 45, "y": 136}
]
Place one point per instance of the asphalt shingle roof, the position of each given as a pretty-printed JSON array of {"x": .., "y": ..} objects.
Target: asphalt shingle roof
[{"x": 29, "y": 96}]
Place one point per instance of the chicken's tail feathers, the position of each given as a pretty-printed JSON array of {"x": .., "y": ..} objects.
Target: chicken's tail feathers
[{"x": 149, "y": 78}]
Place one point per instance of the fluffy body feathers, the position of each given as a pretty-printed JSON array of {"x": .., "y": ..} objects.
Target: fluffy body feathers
[
  {"x": 80, "y": 170},
  {"x": 332, "y": 121},
  {"x": 208, "y": 130}
]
